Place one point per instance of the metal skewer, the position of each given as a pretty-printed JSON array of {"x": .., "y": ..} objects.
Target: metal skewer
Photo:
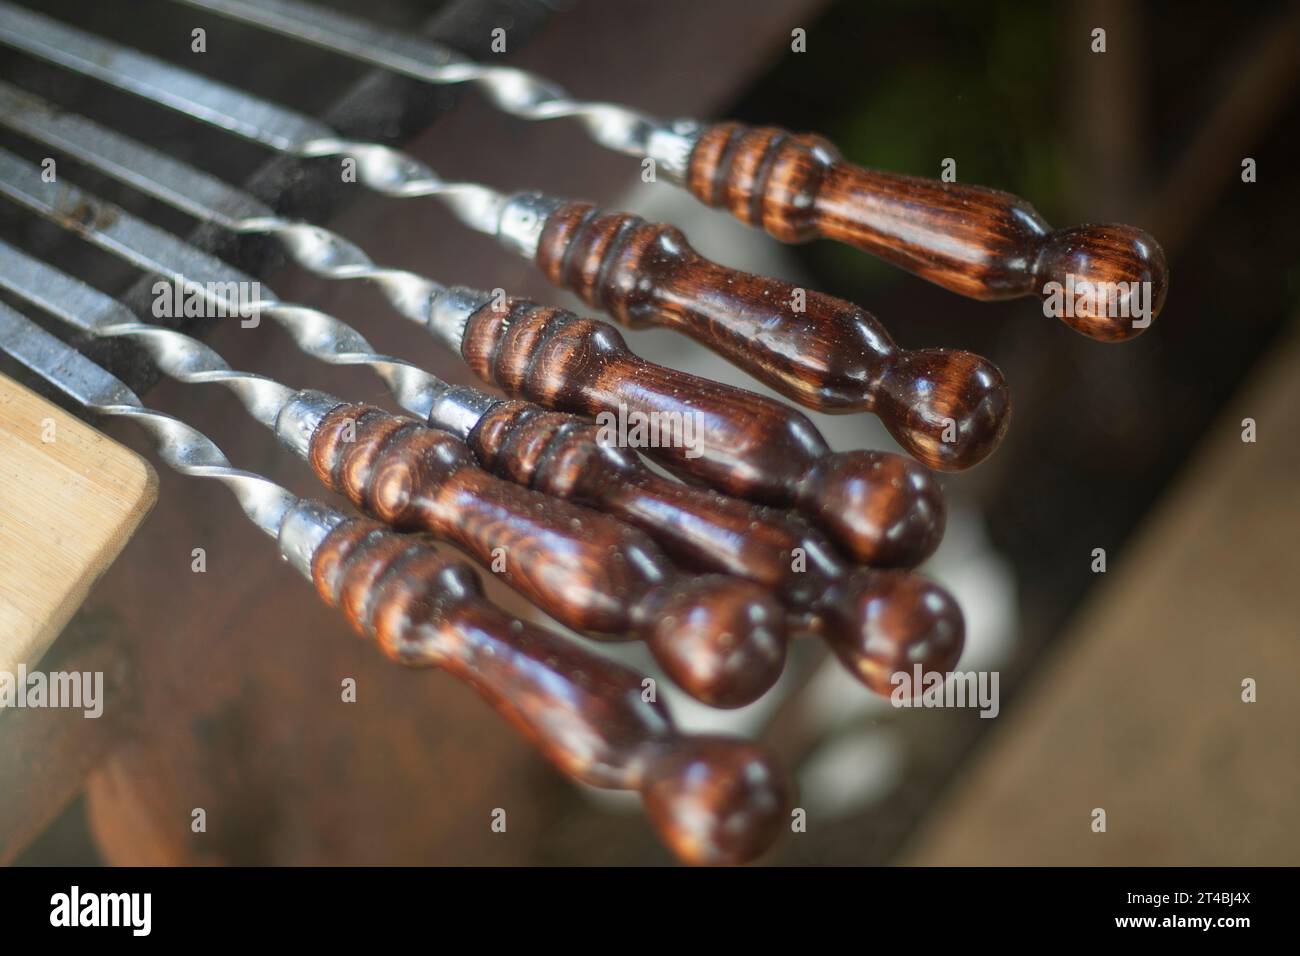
[
  {"x": 712, "y": 799},
  {"x": 508, "y": 88},
  {"x": 947, "y": 408},
  {"x": 728, "y": 653},
  {"x": 879, "y": 507},
  {"x": 978, "y": 242},
  {"x": 924, "y": 624},
  {"x": 719, "y": 638}
]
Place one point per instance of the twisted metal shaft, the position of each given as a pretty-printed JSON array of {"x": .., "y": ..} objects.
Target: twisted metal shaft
[
  {"x": 508, "y": 88},
  {"x": 177, "y": 355},
  {"x": 327, "y": 254},
  {"x": 331, "y": 340},
  {"x": 315, "y": 248},
  {"x": 317, "y": 333},
  {"x": 188, "y": 451},
  {"x": 382, "y": 168},
  {"x": 391, "y": 172},
  {"x": 182, "y": 447}
]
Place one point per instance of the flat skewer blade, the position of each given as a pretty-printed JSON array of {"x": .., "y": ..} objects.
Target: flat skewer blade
[{"x": 59, "y": 363}]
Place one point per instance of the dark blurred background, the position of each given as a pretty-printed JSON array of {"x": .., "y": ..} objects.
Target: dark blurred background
[{"x": 1133, "y": 448}]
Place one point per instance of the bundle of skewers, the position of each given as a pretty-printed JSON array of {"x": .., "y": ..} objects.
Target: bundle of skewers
[{"x": 764, "y": 533}]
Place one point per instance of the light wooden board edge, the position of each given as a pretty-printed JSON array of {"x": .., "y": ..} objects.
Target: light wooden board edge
[{"x": 67, "y": 508}]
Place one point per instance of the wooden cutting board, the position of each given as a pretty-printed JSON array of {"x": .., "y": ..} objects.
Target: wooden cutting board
[{"x": 70, "y": 499}]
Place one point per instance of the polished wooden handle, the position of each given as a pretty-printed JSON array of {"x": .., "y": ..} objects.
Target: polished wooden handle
[
  {"x": 713, "y": 800},
  {"x": 883, "y": 622},
  {"x": 947, "y": 408},
  {"x": 563, "y": 455},
  {"x": 722, "y": 639},
  {"x": 741, "y": 443},
  {"x": 978, "y": 242},
  {"x": 876, "y": 622}
]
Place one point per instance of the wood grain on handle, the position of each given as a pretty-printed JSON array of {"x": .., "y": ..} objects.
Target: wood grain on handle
[
  {"x": 713, "y": 799},
  {"x": 981, "y": 243},
  {"x": 822, "y": 352},
  {"x": 563, "y": 455},
  {"x": 746, "y": 445},
  {"x": 720, "y": 638},
  {"x": 883, "y": 622},
  {"x": 877, "y": 622}
]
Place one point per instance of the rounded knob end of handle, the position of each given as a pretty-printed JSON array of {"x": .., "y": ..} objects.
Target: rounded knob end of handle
[
  {"x": 887, "y": 622},
  {"x": 948, "y": 409},
  {"x": 717, "y": 800},
  {"x": 1105, "y": 281},
  {"x": 722, "y": 640},
  {"x": 881, "y": 509}
]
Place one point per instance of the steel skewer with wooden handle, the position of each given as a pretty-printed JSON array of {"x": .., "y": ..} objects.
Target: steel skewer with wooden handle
[
  {"x": 981, "y": 243},
  {"x": 722, "y": 639},
  {"x": 748, "y": 446},
  {"x": 712, "y": 799},
  {"x": 821, "y": 351},
  {"x": 949, "y": 409},
  {"x": 722, "y": 643},
  {"x": 315, "y": 248}
]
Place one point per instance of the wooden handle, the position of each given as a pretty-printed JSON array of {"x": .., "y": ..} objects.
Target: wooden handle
[
  {"x": 720, "y": 638},
  {"x": 947, "y": 408},
  {"x": 880, "y": 623},
  {"x": 741, "y": 443},
  {"x": 713, "y": 800},
  {"x": 876, "y": 622},
  {"x": 563, "y": 455},
  {"x": 978, "y": 242}
]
